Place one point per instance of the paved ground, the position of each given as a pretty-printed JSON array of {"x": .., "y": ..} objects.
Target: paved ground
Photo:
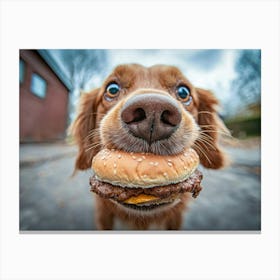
[{"x": 50, "y": 199}]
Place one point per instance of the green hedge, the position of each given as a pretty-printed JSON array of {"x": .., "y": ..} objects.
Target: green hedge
[{"x": 243, "y": 128}]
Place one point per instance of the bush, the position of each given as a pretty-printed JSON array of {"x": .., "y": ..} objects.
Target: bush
[{"x": 242, "y": 128}]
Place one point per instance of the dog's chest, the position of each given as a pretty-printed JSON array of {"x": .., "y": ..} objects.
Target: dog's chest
[{"x": 122, "y": 225}]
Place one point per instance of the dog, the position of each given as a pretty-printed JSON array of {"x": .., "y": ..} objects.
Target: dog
[{"x": 177, "y": 115}]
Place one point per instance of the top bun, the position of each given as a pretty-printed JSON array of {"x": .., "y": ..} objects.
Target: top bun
[{"x": 143, "y": 170}]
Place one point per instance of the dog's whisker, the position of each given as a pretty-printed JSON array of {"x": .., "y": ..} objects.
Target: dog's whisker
[
  {"x": 207, "y": 143},
  {"x": 206, "y": 112},
  {"x": 94, "y": 144},
  {"x": 91, "y": 136},
  {"x": 217, "y": 131},
  {"x": 206, "y": 136},
  {"x": 196, "y": 145},
  {"x": 92, "y": 133},
  {"x": 208, "y": 125},
  {"x": 97, "y": 113},
  {"x": 89, "y": 148}
]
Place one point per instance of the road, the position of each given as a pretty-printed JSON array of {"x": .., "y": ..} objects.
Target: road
[{"x": 50, "y": 199}]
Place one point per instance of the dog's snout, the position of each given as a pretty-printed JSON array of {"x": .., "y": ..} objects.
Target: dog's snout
[{"x": 151, "y": 116}]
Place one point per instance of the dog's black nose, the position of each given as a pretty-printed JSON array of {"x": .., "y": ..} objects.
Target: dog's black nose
[{"x": 151, "y": 116}]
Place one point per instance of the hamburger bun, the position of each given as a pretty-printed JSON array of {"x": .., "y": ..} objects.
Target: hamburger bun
[{"x": 143, "y": 170}]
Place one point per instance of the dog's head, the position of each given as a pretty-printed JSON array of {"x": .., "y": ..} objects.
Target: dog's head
[{"x": 154, "y": 109}]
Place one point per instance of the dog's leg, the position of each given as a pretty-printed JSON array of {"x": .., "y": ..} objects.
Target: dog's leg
[
  {"x": 174, "y": 222},
  {"x": 174, "y": 218},
  {"x": 104, "y": 216}
]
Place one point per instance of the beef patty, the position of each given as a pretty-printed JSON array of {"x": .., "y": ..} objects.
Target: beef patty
[{"x": 120, "y": 194}]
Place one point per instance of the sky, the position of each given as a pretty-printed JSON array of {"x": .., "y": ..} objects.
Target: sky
[{"x": 209, "y": 69}]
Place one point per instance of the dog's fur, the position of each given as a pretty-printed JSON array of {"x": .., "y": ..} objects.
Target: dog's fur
[{"x": 98, "y": 125}]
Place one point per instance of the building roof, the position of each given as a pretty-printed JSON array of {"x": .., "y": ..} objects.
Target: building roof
[{"x": 54, "y": 66}]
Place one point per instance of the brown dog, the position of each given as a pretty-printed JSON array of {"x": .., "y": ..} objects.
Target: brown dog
[{"x": 118, "y": 116}]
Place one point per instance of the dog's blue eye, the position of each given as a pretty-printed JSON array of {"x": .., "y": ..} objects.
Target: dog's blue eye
[
  {"x": 113, "y": 89},
  {"x": 184, "y": 95}
]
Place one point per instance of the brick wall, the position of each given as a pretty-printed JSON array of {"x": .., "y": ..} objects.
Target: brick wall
[{"x": 42, "y": 119}]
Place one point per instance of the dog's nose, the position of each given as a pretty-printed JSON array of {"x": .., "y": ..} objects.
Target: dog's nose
[{"x": 151, "y": 116}]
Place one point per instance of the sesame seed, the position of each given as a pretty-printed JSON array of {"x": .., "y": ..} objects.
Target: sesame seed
[
  {"x": 139, "y": 159},
  {"x": 143, "y": 157},
  {"x": 170, "y": 164},
  {"x": 115, "y": 165},
  {"x": 119, "y": 156},
  {"x": 156, "y": 163},
  {"x": 115, "y": 171},
  {"x": 151, "y": 163},
  {"x": 104, "y": 163},
  {"x": 165, "y": 174},
  {"x": 134, "y": 157}
]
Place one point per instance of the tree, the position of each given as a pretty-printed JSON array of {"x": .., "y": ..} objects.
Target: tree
[
  {"x": 80, "y": 66},
  {"x": 247, "y": 85},
  {"x": 83, "y": 64}
]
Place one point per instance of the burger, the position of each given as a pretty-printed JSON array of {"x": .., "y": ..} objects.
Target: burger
[{"x": 145, "y": 181}]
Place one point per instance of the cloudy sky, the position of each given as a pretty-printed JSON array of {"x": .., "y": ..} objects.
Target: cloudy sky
[{"x": 210, "y": 69}]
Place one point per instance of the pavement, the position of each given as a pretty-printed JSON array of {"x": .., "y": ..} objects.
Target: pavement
[
  {"x": 31, "y": 154},
  {"x": 52, "y": 199}
]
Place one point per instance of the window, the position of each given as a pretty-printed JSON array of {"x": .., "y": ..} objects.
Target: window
[
  {"x": 21, "y": 70},
  {"x": 38, "y": 86}
]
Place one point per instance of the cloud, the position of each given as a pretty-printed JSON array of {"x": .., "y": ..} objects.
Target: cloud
[
  {"x": 206, "y": 59},
  {"x": 210, "y": 69}
]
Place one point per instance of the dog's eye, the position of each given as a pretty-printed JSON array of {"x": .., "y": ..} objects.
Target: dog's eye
[
  {"x": 113, "y": 89},
  {"x": 184, "y": 95}
]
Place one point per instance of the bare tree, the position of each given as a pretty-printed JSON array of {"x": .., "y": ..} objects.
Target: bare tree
[
  {"x": 81, "y": 65},
  {"x": 247, "y": 85}
]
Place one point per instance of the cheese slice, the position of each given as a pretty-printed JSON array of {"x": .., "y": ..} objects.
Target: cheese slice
[{"x": 141, "y": 198}]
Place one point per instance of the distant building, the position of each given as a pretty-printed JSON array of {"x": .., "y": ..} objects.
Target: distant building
[{"x": 43, "y": 98}]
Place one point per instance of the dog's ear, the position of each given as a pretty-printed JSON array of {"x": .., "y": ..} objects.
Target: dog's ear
[
  {"x": 210, "y": 154},
  {"x": 83, "y": 127}
]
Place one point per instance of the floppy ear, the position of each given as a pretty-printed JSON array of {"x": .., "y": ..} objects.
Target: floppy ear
[
  {"x": 210, "y": 154},
  {"x": 82, "y": 129}
]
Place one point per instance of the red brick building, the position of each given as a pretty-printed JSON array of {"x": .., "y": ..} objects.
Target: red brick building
[{"x": 43, "y": 100}]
